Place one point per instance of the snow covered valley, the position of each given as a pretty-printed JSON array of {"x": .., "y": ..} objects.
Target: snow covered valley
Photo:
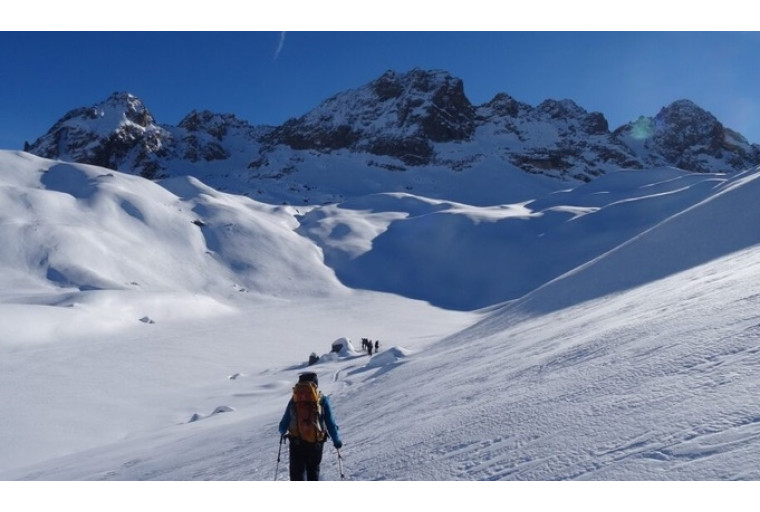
[{"x": 608, "y": 332}]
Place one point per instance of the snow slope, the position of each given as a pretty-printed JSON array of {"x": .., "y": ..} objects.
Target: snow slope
[
  {"x": 632, "y": 357},
  {"x": 464, "y": 257}
]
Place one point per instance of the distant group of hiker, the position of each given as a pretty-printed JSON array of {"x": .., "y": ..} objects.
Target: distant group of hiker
[{"x": 368, "y": 345}]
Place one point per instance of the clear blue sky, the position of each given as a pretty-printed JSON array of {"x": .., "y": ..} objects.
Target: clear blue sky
[{"x": 268, "y": 77}]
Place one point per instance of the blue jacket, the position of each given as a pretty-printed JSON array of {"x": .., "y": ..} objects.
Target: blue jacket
[{"x": 327, "y": 418}]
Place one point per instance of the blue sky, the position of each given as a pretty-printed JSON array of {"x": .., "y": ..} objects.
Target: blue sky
[{"x": 266, "y": 77}]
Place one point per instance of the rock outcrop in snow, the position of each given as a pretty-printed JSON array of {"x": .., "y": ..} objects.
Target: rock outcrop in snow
[
  {"x": 688, "y": 137},
  {"x": 119, "y": 133},
  {"x": 401, "y": 116}
]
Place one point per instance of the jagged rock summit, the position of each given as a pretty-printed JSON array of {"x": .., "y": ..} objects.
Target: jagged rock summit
[
  {"x": 425, "y": 118},
  {"x": 401, "y": 116},
  {"x": 120, "y": 133},
  {"x": 418, "y": 121},
  {"x": 686, "y": 136},
  {"x": 116, "y": 133}
]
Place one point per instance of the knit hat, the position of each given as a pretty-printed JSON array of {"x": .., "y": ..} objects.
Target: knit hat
[{"x": 309, "y": 377}]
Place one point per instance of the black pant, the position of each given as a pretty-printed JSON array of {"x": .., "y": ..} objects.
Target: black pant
[{"x": 305, "y": 459}]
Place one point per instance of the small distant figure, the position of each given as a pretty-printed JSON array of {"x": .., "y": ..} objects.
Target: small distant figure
[
  {"x": 377, "y": 346},
  {"x": 313, "y": 358},
  {"x": 369, "y": 348}
]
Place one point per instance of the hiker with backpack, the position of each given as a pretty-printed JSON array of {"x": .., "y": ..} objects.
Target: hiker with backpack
[{"x": 307, "y": 423}]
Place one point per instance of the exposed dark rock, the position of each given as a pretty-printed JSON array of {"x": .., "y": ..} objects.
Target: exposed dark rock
[
  {"x": 411, "y": 151},
  {"x": 386, "y": 87},
  {"x": 396, "y": 122},
  {"x": 686, "y": 136},
  {"x": 396, "y": 115}
]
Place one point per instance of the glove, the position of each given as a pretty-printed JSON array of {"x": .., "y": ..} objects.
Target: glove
[{"x": 338, "y": 445}]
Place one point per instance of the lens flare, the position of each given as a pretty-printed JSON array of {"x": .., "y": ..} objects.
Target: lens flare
[{"x": 642, "y": 128}]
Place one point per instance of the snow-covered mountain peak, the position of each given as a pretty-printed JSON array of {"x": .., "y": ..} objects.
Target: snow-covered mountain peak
[
  {"x": 215, "y": 124},
  {"x": 502, "y": 105},
  {"x": 683, "y": 124},
  {"x": 130, "y": 106},
  {"x": 392, "y": 84},
  {"x": 561, "y": 108},
  {"x": 364, "y": 140},
  {"x": 685, "y": 109},
  {"x": 593, "y": 123},
  {"x": 398, "y": 115},
  {"x": 118, "y": 133},
  {"x": 109, "y": 115},
  {"x": 685, "y": 135},
  {"x": 434, "y": 101}
]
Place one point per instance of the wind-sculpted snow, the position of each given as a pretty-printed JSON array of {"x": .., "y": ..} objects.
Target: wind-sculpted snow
[
  {"x": 722, "y": 223},
  {"x": 657, "y": 383},
  {"x": 464, "y": 257},
  {"x": 80, "y": 227},
  {"x": 654, "y": 383}
]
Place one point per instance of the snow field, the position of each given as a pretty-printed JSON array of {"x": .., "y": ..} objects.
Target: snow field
[{"x": 630, "y": 355}]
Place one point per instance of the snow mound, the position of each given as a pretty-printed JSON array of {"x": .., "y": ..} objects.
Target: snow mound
[
  {"x": 390, "y": 357},
  {"x": 75, "y": 227},
  {"x": 343, "y": 347}
]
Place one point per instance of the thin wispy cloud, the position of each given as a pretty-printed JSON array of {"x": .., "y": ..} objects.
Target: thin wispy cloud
[{"x": 279, "y": 45}]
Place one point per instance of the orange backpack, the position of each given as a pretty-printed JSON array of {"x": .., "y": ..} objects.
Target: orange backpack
[{"x": 306, "y": 417}]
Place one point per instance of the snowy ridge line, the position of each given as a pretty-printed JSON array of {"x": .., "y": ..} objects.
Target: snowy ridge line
[
  {"x": 711, "y": 213},
  {"x": 418, "y": 124}
]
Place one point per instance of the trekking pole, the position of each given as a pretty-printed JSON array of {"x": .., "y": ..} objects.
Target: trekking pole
[
  {"x": 340, "y": 465},
  {"x": 279, "y": 451}
]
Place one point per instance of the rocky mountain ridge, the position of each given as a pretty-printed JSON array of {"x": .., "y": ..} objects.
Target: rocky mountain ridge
[{"x": 416, "y": 121}]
